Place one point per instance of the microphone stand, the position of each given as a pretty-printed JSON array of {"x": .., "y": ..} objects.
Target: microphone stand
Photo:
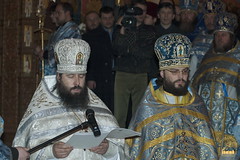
[{"x": 82, "y": 126}]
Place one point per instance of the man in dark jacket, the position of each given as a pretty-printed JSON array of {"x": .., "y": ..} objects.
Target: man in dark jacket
[
  {"x": 134, "y": 50},
  {"x": 100, "y": 76}
]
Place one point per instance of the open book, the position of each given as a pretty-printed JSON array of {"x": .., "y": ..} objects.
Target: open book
[{"x": 86, "y": 140}]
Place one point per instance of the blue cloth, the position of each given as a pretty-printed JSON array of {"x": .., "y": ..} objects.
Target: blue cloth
[
  {"x": 68, "y": 30},
  {"x": 1, "y": 126},
  {"x": 201, "y": 45},
  {"x": 217, "y": 81},
  {"x": 171, "y": 131},
  {"x": 5, "y": 152},
  {"x": 199, "y": 27},
  {"x": 236, "y": 132}
]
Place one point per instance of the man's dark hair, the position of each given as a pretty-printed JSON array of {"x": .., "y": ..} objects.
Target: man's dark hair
[
  {"x": 67, "y": 7},
  {"x": 51, "y": 8},
  {"x": 166, "y": 5},
  {"x": 90, "y": 12},
  {"x": 106, "y": 10}
]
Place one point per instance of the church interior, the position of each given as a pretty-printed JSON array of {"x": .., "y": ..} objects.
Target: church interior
[{"x": 24, "y": 25}]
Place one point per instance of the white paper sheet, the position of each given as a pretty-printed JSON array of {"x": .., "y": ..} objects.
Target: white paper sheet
[{"x": 86, "y": 140}]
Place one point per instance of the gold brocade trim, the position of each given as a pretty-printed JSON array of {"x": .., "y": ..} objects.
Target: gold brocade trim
[
  {"x": 221, "y": 58},
  {"x": 161, "y": 93},
  {"x": 233, "y": 99},
  {"x": 168, "y": 113},
  {"x": 226, "y": 141},
  {"x": 227, "y": 83},
  {"x": 129, "y": 141},
  {"x": 159, "y": 97},
  {"x": 224, "y": 58},
  {"x": 167, "y": 137},
  {"x": 186, "y": 157},
  {"x": 212, "y": 93},
  {"x": 214, "y": 70}
]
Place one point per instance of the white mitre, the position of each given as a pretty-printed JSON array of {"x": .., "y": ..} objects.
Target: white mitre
[{"x": 72, "y": 56}]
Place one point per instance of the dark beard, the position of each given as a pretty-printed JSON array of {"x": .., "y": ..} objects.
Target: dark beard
[
  {"x": 73, "y": 101},
  {"x": 170, "y": 88},
  {"x": 188, "y": 27}
]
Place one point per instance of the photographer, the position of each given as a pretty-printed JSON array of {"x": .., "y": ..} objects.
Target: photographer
[{"x": 134, "y": 49}]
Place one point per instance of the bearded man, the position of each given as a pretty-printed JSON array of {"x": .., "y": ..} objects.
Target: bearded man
[
  {"x": 59, "y": 104},
  {"x": 172, "y": 118},
  {"x": 189, "y": 18},
  {"x": 217, "y": 81},
  {"x": 203, "y": 41}
]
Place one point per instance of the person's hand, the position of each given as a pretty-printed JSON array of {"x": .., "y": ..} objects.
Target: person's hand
[
  {"x": 38, "y": 52},
  {"x": 61, "y": 150},
  {"x": 119, "y": 21},
  {"x": 122, "y": 30},
  {"x": 22, "y": 153},
  {"x": 91, "y": 84},
  {"x": 102, "y": 148}
]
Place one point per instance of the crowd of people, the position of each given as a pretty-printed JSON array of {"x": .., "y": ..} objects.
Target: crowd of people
[{"x": 167, "y": 70}]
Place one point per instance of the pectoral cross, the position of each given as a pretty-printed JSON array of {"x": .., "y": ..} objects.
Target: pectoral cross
[
  {"x": 214, "y": 72},
  {"x": 219, "y": 94}
]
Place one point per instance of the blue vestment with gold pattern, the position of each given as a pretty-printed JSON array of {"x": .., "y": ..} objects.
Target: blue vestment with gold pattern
[
  {"x": 217, "y": 81},
  {"x": 171, "y": 131}
]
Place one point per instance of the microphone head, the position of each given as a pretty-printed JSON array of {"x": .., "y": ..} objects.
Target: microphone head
[
  {"x": 89, "y": 112},
  {"x": 92, "y": 122}
]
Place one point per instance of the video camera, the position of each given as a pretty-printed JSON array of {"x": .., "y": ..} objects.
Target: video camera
[{"x": 129, "y": 21}]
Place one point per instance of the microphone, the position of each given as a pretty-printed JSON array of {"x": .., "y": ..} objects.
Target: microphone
[{"x": 92, "y": 122}]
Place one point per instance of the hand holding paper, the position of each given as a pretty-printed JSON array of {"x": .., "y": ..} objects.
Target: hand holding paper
[{"x": 101, "y": 148}]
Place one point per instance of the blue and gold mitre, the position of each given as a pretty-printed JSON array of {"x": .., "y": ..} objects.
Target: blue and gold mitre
[
  {"x": 172, "y": 51},
  {"x": 213, "y": 6},
  {"x": 188, "y": 5},
  {"x": 226, "y": 22}
]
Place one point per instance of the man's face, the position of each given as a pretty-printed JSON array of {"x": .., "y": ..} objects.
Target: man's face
[
  {"x": 53, "y": 17},
  {"x": 107, "y": 20},
  {"x": 166, "y": 16},
  {"x": 187, "y": 16},
  {"x": 209, "y": 21},
  {"x": 175, "y": 80},
  {"x": 140, "y": 18},
  {"x": 72, "y": 90},
  {"x": 61, "y": 15},
  {"x": 222, "y": 41},
  {"x": 149, "y": 20},
  {"x": 92, "y": 21}
]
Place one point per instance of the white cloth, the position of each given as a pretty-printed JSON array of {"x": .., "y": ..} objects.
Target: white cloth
[{"x": 46, "y": 118}]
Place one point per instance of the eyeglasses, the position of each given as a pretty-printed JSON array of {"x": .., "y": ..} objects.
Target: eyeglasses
[{"x": 176, "y": 71}]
